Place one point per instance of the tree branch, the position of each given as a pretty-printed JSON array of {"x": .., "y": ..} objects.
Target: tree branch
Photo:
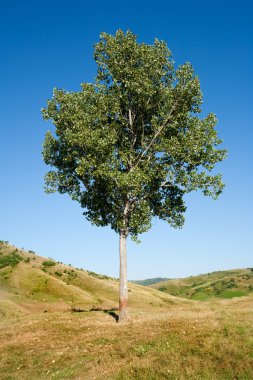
[
  {"x": 166, "y": 184},
  {"x": 130, "y": 119},
  {"x": 155, "y": 136}
]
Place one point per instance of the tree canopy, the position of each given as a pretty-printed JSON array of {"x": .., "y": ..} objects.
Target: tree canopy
[{"x": 130, "y": 145}]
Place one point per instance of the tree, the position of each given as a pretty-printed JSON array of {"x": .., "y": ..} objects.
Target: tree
[{"x": 130, "y": 145}]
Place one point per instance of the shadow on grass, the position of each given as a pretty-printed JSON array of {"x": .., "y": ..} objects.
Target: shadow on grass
[
  {"x": 112, "y": 314},
  {"x": 111, "y": 311}
]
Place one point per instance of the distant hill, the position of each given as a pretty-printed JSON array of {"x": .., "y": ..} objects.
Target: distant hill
[
  {"x": 149, "y": 281},
  {"x": 30, "y": 283},
  {"x": 219, "y": 284}
]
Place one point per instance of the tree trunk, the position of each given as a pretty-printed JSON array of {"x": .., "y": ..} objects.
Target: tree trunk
[{"x": 123, "y": 291}]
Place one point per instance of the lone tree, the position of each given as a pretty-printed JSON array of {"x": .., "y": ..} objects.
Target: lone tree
[{"x": 130, "y": 145}]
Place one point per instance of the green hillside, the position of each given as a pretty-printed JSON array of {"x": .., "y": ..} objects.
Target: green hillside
[
  {"x": 220, "y": 284},
  {"x": 149, "y": 281},
  {"x": 30, "y": 284}
]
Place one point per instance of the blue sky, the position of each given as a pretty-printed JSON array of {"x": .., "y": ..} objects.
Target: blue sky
[{"x": 47, "y": 44}]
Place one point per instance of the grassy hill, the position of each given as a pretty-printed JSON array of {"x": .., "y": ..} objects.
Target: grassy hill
[
  {"x": 33, "y": 284},
  {"x": 168, "y": 338},
  {"x": 220, "y": 284}
]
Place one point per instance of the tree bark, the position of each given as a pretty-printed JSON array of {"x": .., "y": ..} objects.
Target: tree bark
[{"x": 123, "y": 291}]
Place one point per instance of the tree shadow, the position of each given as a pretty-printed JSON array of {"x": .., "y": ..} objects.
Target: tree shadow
[
  {"x": 112, "y": 314},
  {"x": 111, "y": 311}
]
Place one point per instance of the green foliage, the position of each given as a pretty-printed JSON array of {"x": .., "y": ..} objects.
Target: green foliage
[
  {"x": 11, "y": 259},
  {"x": 129, "y": 146},
  {"x": 58, "y": 273},
  {"x": 162, "y": 289},
  {"x": 48, "y": 263},
  {"x": 199, "y": 296},
  {"x": 232, "y": 293}
]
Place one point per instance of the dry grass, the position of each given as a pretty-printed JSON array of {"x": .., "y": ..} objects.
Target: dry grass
[
  {"x": 168, "y": 338},
  {"x": 197, "y": 341}
]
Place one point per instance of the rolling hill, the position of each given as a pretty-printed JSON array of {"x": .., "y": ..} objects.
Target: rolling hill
[
  {"x": 168, "y": 337},
  {"x": 219, "y": 284},
  {"x": 30, "y": 283}
]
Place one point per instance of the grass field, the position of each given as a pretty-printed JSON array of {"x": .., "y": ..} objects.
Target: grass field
[
  {"x": 211, "y": 341},
  {"x": 167, "y": 338}
]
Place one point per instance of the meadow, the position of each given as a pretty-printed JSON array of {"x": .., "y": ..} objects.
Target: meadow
[{"x": 169, "y": 337}]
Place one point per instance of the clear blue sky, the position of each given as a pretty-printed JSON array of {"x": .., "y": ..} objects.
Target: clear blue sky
[{"x": 47, "y": 44}]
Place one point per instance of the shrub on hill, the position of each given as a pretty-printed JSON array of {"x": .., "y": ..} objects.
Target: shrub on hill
[
  {"x": 97, "y": 275},
  {"x": 48, "y": 263},
  {"x": 11, "y": 259}
]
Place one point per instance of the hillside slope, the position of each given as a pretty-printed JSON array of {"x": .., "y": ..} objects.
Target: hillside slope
[
  {"x": 220, "y": 284},
  {"x": 168, "y": 337},
  {"x": 30, "y": 284},
  {"x": 149, "y": 281}
]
